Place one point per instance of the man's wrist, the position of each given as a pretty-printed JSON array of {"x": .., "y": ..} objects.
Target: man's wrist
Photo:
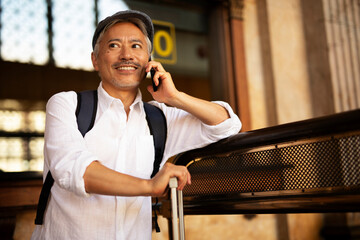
[{"x": 177, "y": 100}]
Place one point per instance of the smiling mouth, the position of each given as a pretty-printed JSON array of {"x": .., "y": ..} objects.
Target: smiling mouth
[{"x": 125, "y": 66}]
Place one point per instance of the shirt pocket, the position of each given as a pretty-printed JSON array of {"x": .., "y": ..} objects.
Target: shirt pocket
[{"x": 144, "y": 156}]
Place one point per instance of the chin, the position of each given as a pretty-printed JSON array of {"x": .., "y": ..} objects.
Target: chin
[{"x": 124, "y": 85}]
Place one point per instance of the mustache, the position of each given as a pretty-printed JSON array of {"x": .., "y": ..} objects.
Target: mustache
[{"x": 118, "y": 64}]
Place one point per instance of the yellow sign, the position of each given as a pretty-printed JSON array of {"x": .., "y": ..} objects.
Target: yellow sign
[{"x": 164, "y": 45}]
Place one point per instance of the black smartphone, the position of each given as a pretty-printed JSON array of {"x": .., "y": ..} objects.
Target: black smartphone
[{"x": 152, "y": 72}]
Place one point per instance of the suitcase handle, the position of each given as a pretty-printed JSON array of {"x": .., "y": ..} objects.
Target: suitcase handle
[{"x": 177, "y": 208}]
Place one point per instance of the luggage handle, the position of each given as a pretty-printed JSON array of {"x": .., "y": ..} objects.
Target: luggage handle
[{"x": 177, "y": 209}]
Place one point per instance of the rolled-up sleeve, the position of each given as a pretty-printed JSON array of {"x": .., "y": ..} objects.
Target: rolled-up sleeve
[
  {"x": 229, "y": 127},
  {"x": 66, "y": 154}
]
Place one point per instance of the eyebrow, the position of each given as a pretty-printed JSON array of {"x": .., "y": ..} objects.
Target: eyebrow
[{"x": 131, "y": 40}]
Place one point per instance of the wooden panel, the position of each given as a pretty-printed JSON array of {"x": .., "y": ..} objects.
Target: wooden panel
[{"x": 20, "y": 196}]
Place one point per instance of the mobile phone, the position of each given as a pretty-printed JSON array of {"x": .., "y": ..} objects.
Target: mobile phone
[{"x": 152, "y": 72}]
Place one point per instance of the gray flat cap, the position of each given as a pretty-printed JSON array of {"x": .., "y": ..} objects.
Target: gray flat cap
[{"x": 125, "y": 15}]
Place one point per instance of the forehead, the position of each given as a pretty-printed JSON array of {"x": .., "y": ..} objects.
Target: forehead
[{"x": 124, "y": 30}]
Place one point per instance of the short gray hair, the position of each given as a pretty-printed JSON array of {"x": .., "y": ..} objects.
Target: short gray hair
[{"x": 135, "y": 21}]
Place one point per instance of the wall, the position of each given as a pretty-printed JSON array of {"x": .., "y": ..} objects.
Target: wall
[
  {"x": 302, "y": 62},
  {"x": 287, "y": 62},
  {"x": 279, "y": 87}
]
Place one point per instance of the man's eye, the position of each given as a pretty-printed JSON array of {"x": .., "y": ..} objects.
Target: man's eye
[
  {"x": 113, "y": 45},
  {"x": 136, "y": 46}
]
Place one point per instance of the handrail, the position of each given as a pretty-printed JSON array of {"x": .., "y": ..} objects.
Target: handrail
[
  {"x": 264, "y": 182},
  {"x": 21, "y": 134},
  {"x": 295, "y": 131},
  {"x": 20, "y": 176}
]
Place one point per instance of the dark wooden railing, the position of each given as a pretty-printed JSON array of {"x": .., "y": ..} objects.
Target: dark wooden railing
[{"x": 301, "y": 167}]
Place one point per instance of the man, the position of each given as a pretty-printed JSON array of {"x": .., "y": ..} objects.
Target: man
[{"x": 102, "y": 187}]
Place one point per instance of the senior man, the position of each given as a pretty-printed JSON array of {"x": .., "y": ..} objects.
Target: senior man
[{"x": 102, "y": 186}]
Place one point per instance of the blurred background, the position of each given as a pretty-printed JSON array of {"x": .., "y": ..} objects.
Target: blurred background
[{"x": 274, "y": 61}]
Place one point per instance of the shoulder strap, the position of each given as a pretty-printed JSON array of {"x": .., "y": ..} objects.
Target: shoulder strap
[
  {"x": 43, "y": 198},
  {"x": 86, "y": 107},
  {"x": 158, "y": 128}
]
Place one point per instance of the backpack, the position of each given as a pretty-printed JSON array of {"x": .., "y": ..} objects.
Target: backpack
[{"x": 85, "y": 117}]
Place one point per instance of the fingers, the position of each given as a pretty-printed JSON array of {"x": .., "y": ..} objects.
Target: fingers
[
  {"x": 160, "y": 182},
  {"x": 160, "y": 73},
  {"x": 184, "y": 180},
  {"x": 181, "y": 173},
  {"x": 161, "y": 76},
  {"x": 156, "y": 65}
]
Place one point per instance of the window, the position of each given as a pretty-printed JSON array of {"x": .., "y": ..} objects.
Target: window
[
  {"x": 21, "y": 136},
  {"x": 73, "y": 26},
  {"x": 24, "y": 31},
  {"x": 27, "y": 38}
]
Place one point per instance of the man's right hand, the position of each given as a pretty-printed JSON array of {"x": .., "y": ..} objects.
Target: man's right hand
[{"x": 161, "y": 180}]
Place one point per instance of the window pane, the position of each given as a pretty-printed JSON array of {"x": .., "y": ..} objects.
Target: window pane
[
  {"x": 12, "y": 154},
  {"x": 12, "y": 121},
  {"x": 109, "y": 7},
  {"x": 24, "y": 31},
  {"x": 74, "y": 24},
  {"x": 26, "y": 119},
  {"x": 36, "y": 147},
  {"x": 36, "y": 121}
]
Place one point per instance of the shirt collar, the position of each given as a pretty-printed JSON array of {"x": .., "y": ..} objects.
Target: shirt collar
[{"x": 105, "y": 100}]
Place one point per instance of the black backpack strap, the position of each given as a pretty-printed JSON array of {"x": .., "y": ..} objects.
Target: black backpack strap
[
  {"x": 86, "y": 107},
  {"x": 43, "y": 199},
  {"x": 158, "y": 128}
]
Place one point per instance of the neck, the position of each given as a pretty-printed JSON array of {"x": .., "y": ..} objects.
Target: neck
[{"x": 127, "y": 96}]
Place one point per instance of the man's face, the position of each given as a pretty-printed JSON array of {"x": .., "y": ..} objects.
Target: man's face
[{"x": 122, "y": 57}]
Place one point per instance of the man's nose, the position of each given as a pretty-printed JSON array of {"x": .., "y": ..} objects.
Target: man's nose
[{"x": 125, "y": 53}]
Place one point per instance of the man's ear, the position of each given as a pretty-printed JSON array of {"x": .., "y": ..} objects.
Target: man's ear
[{"x": 94, "y": 61}]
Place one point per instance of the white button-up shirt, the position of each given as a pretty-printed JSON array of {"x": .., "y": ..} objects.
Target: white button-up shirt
[{"x": 121, "y": 143}]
